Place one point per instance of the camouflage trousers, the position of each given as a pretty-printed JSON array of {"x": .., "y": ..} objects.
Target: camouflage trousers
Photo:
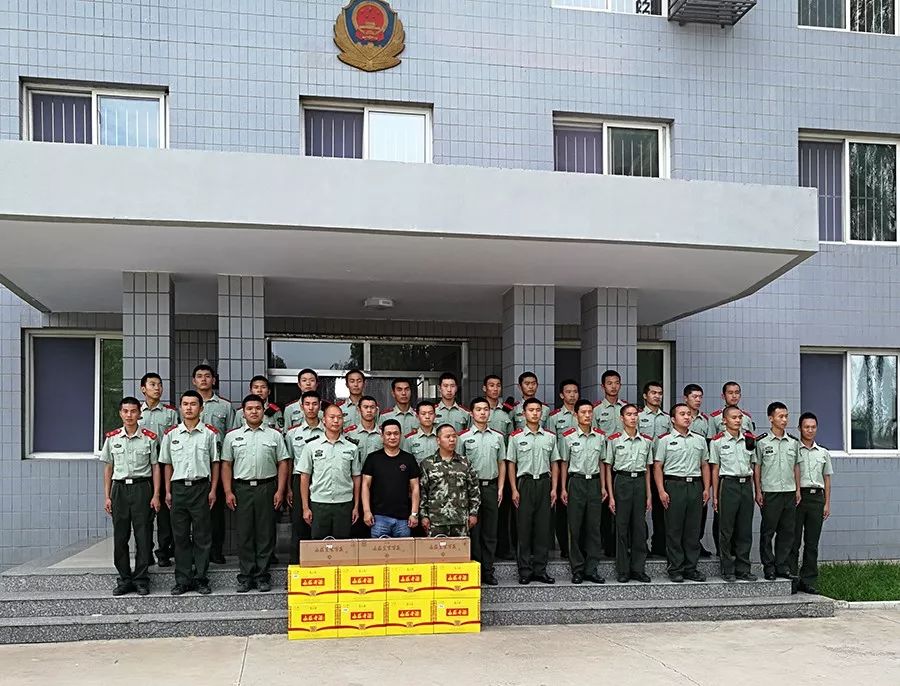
[{"x": 451, "y": 530}]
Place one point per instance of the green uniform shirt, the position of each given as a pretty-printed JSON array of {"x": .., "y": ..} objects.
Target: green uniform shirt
[
  {"x": 408, "y": 420},
  {"x": 681, "y": 455},
  {"x": 132, "y": 457},
  {"x": 500, "y": 419},
  {"x": 607, "y": 417},
  {"x": 731, "y": 454},
  {"x": 532, "y": 452},
  {"x": 777, "y": 458},
  {"x": 298, "y": 436},
  {"x": 272, "y": 417},
  {"x": 219, "y": 413},
  {"x": 626, "y": 453},
  {"x": 484, "y": 449},
  {"x": 368, "y": 441},
  {"x": 717, "y": 423},
  {"x": 191, "y": 452},
  {"x": 449, "y": 491},
  {"x": 420, "y": 444},
  {"x": 519, "y": 415},
  {"x": 653, "y": 423},
  {"x": 331, "y": 468},
  {"x": 350, "y": 410},
  {"x": 700, "y": 424},
  {"x": 583, "y": 451},
  {"x": 558, "y": 421},
  {"x": 456, "y": 415},
  {"x": 293, "y": 414},
  {"x": 158, "y": 419},
  {"x": 815, "y": 465},
  {"x": 254, "y": 452}
]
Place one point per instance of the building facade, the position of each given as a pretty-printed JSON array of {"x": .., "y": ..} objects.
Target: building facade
[{"x": 555, "y": 185}]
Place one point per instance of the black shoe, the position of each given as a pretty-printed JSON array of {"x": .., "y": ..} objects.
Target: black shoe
[
  {"x": 489, "y": 580},
  {"x": 746, "y": 576},
  {"x": 594, "y": 578},
  {"x": 564, "y": 556},
  {"x": 178, "y": 589},
  {"x": 577, "y": 579},
  {"x": 770, "y": 576},
  {"x": 151, "y": 562},
  {"x": 730, "y": 578},
  {"x": 695, "y": 576},
  {"x": 164, "y": 562},
  {"x": 622, "y": 579},
  {"x": 782, "y": 575},
  {"x": 543, "y": 578},
  {"x": 524, "y": 580},
  {"x": 243, "y": 587},
  {"x": 217, "y": 558},
  {"x": 795, "y": 586},
  {"x": 676, "y": 578},
  {"x": 273, "y": 559},
  {"x": 203, "y": 588},
  {"x": 806, "y": 588},
  {"x": 657, "y": 556},
  {"x": 505, "y": 556},
  {"x": 122, "y": 589},
  {"x": 704, "y": 552},
  {"x": 263, "y": 586},
  {"x": 143, "y": 590},
  {"x": 643, "y": 577}
]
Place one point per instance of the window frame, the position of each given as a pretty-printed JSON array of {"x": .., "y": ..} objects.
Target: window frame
[
  {"x": 847, "y": 29},
  {"x": 569, "y": 5},
  {"x": 605, "y": 124},
  {"x": 28, "y": 370},
  {"x": 95, "y": 93},
  {"x": 367, "y": 109},
  {"x": 668, "y": 385}
]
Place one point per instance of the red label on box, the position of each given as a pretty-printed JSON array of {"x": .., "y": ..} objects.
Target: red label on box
[
  {"x": 362, "y": 615},
  {"x": 457, "y": 612},
  {"x": 312, "y": 582},
  {"x": 313, "y": 618},
  {"x": 362, "y": 579}
]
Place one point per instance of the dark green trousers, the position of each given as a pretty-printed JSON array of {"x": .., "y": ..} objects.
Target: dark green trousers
[
  {"x": 300, "y": 530},
  {"x": 631, "y": 523},
  {"x": 331, "y": 519},
  {"x": 585, "y": 506},
  {"x": 683, "y": 525},
  {"x": 484, "y": 534},
  {"x": 255, "y": 515},
  {"x": 192, "y": 531},
  {"x": 165, "y": 546},
  {"x": 533, "y": 525},
  {"x": 131, "y": 512},
  {"x": 217, "y": 520},
  {"x": 807, "y": 529},
  {"x": 735, "y": 524},
  {"x": 450, "y": 530},
  {"x": 778, "y": 521}
]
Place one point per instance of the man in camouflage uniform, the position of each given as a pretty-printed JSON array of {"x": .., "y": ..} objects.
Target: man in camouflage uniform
[{"x": 450, "y": 495}]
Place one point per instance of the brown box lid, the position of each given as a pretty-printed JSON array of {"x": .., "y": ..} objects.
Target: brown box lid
[
  {"x": 374, "y": 551},
  {"x": 443, "y": 549},
  {"x": 329, "y": 553}
]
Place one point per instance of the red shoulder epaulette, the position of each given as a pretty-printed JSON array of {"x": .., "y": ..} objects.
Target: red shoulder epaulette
[
  {"x": 149, "y": 434},
  {"x": 569, "y": 431},
  {"x": 747, "y": 414},
  {"x": 411, "y": 433},
  {"x": 718, "y": 436},
  {"x": 112, "y": 433},
  {"x": 663, "y": 435},
  {"x": 598, "y": 430},
  {"x": 517, "y": 403},
  {"x": 390, "y": 409},
  {"x": 516, "y": 432},
  {"x": 649, "y": 438},
  {"x": 749, "y": 434},
  {"x": 465, "y": 431},
  {"x": 597, "y": 403},
  {"x": 547, "y": 431},
  {"x": 350, "y": 428},
  {"x": 293, "y": 427},
  {"x": 273, "y": 406},
  {"x": 339, "y": 402},
  {"x": 704, "y": 415},
  {"x": 169, "y": 406},
  {"x": 553, "y": 412},
  {"x": 507, "y": 406},
  {"x": 715, "y": 414},
  {"x": 212, "y": 428},
  {"x": 614, "y": 435},
  {"x": 499, "y": 433},
  {"x": 237, "y": 428},
  {"x": 171, "y": 428},
  {"x": 463, "y": 407},
  {"x": 622, "y": 402}
]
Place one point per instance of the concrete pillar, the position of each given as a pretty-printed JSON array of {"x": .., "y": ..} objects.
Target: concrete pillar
[
  {"x": 242, "y": 342},
  {"x": 529, "y": 340},
  {"x": 148, "y": 312},
  {"x": 609, "y": 340}
]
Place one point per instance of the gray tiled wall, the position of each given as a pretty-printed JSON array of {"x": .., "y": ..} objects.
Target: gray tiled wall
[
  {"x": 609, "y": 338},
  {"x": 529, "y": 339},
  {"x": 148, "y": 314}
]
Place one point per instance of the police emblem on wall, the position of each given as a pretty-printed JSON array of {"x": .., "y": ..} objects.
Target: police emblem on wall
[{"x": 369, "y": 34}]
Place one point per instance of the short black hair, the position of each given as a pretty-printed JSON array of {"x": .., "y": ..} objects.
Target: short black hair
[
  {"x": 424, "y": 403},
  {"x": 368, "y": 397},
  {"x": 192, "y": 394},
  {"x": 129, "y": 400},
  {"x": 258, "y": 377},
  {"x": 399, "y": 380},
  {"x": 437, "y": 431},
  {"x": 149, "y": 375},
  {"x": 675, "y": 407},
  {"x": 354, "y": 371},
  {"x": 807, "y": 415},
  {"x": 609, "y": 373},
  {"x": 777, "y": 405},
  {"x": 569, "y": 382},
  {"x": 390, "y": 422},
  {"x": 581, "y": 403},
  {"x": 478, "y": 399},
  {"x": 729, "y": 383},
  {"x": 310, "y": 394},
  {"x": 527, "y": 375},
  {"x": 489, "y": 377},
  {"x": 448, "y": 376},
  {"x": 625, "y": 407},
  {"x": 203, "y": 368},
  {"x": 730, "y": 407},
  {"x": 652, "y": 384},
  {"x": 532, "y": 401},
  {"x": 252, "y": 398},
  {"x": 691, "y": 388},
  {"x": 307, "y": 371}
]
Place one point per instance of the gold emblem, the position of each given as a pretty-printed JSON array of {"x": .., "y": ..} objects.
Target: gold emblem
[{"x": 369, "y": 34}]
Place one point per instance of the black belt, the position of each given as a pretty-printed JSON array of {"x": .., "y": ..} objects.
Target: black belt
[
  {"x": 191, "y": 482},
  {"x": 256, "y": 482},
  {"x": 633, "y": 475},
  {"x": 488, "y": 482},
  {"x": 579, "y": 475},
  {"x": 686, "y": 479},
  {"x": 545, "y": 475},
  {"x": 739, "y": 479},
  {"x": 135, "y": 480},
  {"x": 812, "y": 490}
]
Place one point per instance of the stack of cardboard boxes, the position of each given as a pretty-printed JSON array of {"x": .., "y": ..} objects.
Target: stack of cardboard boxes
[{"x": 383, "y": 587}]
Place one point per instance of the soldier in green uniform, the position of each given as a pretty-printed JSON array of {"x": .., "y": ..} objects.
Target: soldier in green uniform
[
  {"x": 447, "y": 410},
  {"x": 532, "y": 455},
  {"x": 700, "y": 424},
  {"x": 402, "y": 411},
  {"x": 309, "y": 428},
  {"x": 254, "y": 474},
  {"x": 485, "y": 450},
  {"x": 731, "y": 457},
  {"x": 366, "y": 434},
  {"x": 653, "y": 421},
  {"x": 272, "y": 414},
  {"x": 450, "y": 497},
  {"x": 776, "y": 474},
  {"x": 158, "y": 416},
  {"x": 608, "y": 419},
  {"x": 356, "y": 386},
  {"x": 131, "y": 485},
  {"x": 330, "y": 470},
  {"x": 307, "y": 380},
  {"x": 681, "y": 470},
  {"x": 500, "y": 419},
  {"x": 629, "y": 459},
  {"x": 583, "y": 489},
  {"x": 528, "y": 386},
  {"x": 558, "y": 421},
  {"x": 422, "y": 442},
  {"x": 190, "y": 453},
  {"x": 815, "y": 503}
]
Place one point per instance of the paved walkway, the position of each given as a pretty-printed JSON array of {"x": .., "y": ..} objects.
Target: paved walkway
[{"x": 855, "y": 647}]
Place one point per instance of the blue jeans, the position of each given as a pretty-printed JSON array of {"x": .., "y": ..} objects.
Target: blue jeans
[{"x": 390, "y": 527}]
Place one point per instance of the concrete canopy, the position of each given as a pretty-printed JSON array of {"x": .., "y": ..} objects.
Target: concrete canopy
[{"x": 440, "y": 240}]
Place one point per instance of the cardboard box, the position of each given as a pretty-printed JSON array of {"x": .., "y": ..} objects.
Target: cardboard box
[
  {"x": 461, "y": 580},
  {"x": 329, "y": 553},
  {"x": 313, "y": 620},
  {"x": 313, "y": 583},
  {"x": 383, "y": 551},
  {"x": 362, "y": 582},
  {"x": 410, "y": 581},
  {"x": 362, "y": 618},
  {"x": 457, "y": 615},
  {"x": 409, "y": 616},
  {"x": 432, "y": 550}
]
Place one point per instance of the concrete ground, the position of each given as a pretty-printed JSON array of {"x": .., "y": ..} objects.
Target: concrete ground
[{"x": 855, "y": 647}]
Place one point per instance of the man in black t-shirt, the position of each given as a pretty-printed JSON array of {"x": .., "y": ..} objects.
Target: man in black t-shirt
[{"x": 390, "y": 486}]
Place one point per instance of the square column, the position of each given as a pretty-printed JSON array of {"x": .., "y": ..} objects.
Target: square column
[
  {"x": 148, "y": 312},
  {"x": 609, "y": 340},
  {"x": 529, "y": 339},
  {"x": 242, "y": 342}
]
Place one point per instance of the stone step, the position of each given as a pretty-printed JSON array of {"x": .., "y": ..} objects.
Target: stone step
[{"x": 559, "y": 569}]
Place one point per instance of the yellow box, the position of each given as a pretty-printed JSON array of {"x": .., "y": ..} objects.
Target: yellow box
[
  {"x": 409, "y": 616},
  {"x": 456, "y": 615},
  {"x": 361, "y": 618},
  {"x": 313, "y": 620},
  {"x": 319, "y": 583},
  {"x": 461, "y": 579},
  {"x": 363, "y": 582},
  {"x": 410, "y": 582}
]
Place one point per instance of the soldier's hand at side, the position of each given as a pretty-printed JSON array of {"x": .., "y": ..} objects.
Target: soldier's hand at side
[
  {"x": 277, "y": 500},
  {"x": 307, "y": 515},
  {"x": 354, "y": 516},
  {"x": 473, "y": 520},
  {"x": 369, "y": 518},
  {"x": 705, "y": 496},
  {"x": 604, "y": 494},
  {"x": 797, "y": 497},
  {"x": 230, "y": 501},
  {"x": 715, "y": 504},
  {"x": 759, "y": 499},
  {"x": 664, "y": 499},
  {"x": 515, "y": 498},
  {"x": 290, "y": 498},
  {"x": 612, "y": 505},
  {"x": 826, "y": 513},
  {"x": 169, "y": 500},
  {"x": 649, "y": 504},
  {"x": 564, "y": 496},
  {"x": 154, "y": 503},
  {"x": 552, "y": 499},
  {"x": 499, "y": 496},
  {"x": 107, "y": 506}
]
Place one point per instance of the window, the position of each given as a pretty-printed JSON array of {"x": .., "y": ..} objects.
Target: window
[
  {"x": 61, "y": 114},
  {"x": 822, "y": 393},
  {"x": 619, "y": 148},
  {"x": 654, "y": 363},
  {"x": 654, "y": 7},
  {"x": 864, "y": 16},
  {"x": 74, "y": 386},
  {"x": 822, "y": 167},
  {"x": 391, "y": 134}
]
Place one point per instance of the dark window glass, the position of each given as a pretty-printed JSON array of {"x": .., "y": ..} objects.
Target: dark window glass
[
  {"x": 315, "y": 355},
  {"x": 873, "y": 192},
  {"x": 63, "y": 392},
  {"x": 822, "y": 13},
  {"x": 578, "y": 150},
  {"x": 822, "y": 168},
  {"x": 58, "y": 118},
  {"x": 634, "y": 152},
  {"x": 872, "y": 16},
  {"x": 821, "y": 392},
  {"x": 420, "y": 357},
  {"x": 333, "y": 133},
  {"x": 873, "y": 402}
]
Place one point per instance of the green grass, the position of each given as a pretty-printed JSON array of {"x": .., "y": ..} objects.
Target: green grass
[{"x": 855, "y": 581}]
